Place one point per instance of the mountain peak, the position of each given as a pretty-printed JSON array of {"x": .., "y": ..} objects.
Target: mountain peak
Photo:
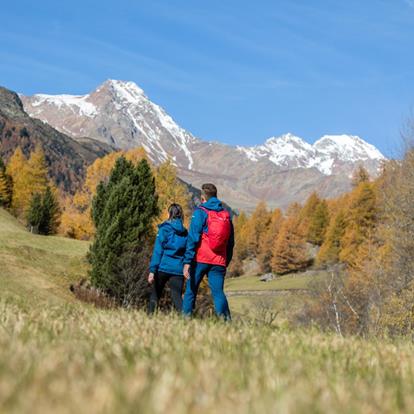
[
  {"x": 123, "y": 90},
  {"x": 347, "y": 148},
  {"x": 289, "y": 137}
]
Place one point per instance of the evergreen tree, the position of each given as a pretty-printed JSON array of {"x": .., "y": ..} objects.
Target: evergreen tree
[
  {"x": 35, "y": 213},
  {"x": 50, "y": 213},
  {"x": 43, "y": 214},
  {"x": 6, "y": 186},
  {"x": 123, "y": 211}
]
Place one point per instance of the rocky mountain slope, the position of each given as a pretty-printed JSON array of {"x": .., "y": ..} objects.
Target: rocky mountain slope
[
  {"x": 67, "y": 158},
  {"x": 282, "y": 170}
]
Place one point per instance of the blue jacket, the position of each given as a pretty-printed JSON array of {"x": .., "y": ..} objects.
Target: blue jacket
[
  {"x": 199, "y": 225},
  {"x": 169, "y": 248}
]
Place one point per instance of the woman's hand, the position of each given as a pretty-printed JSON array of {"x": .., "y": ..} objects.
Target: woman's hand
[
  {"x": 186, "y": 271},
  {"x": 151, "y": 278}
]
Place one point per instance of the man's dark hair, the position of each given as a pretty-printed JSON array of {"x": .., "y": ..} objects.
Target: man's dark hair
[
  {"x": 175, "y": 211},
  {"x": 208, "y": 190}
]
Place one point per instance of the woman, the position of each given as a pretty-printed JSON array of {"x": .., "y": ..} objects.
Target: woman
[{"x": 167, "y": 259}]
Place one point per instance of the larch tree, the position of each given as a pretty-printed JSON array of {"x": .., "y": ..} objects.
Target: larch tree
[
  {"x": 37, "y": 180},
  {"x": 17, "y": 170},
  {"x": 318, "y": 223},
  {"x": 258, "y": 224},
  {"x": 361, "y": 221},
  {"x": 290, "y": 251},
  {"x": 331, "y": 247},
  {"x": 171, "y": 190},
  {"x": 240, "y": 247},
  {"x": 268, "y": 241},
  {"x": 359, "y": 176}
]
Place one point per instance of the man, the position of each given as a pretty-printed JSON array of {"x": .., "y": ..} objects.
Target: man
[{"x": 209, "y": 251}]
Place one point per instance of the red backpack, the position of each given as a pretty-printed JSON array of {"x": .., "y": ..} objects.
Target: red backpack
[{"x": 219, "y": 229}]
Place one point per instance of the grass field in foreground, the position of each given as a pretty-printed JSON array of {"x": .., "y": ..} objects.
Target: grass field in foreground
[
  {"x": 61, "y": 356},
  {"x": 74, "y": 358}
]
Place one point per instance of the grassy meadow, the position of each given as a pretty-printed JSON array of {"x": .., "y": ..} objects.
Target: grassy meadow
[{"x": 59, "y": 355}]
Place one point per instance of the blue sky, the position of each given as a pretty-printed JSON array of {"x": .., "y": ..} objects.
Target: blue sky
[{"x": 230, "y": 70}]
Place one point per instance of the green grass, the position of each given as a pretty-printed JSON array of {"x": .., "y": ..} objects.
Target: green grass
[
  {"x": 61, "y": 356},
  {"x": 38, "y": 266},
  {"x": 288, "y": 282}
]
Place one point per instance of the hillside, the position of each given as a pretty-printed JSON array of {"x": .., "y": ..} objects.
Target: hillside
[
  {"x": 67, "y": 159},
  {"x": 38, "y": 267},
  {"x": 59, "y": 355},
  {"x": 282, "y": 170}
]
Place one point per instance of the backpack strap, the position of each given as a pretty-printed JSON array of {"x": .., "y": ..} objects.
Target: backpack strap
[{"x": 206, "y": 222}]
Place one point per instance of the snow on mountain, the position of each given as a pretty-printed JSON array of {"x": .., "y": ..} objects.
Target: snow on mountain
[
  {"x": 286, "y": 151},
  {"x": 118, "y": 113},
  {"x": 293, "y": 152},
  {"x": 78, "y": 104},
  {"x": 282, "y": 170},
  {"x": 347, "y": 148}
]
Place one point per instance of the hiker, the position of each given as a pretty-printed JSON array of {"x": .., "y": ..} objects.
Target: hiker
[
  {"x": 209, "y": 251},
  {"x": 166, "y": 265}
]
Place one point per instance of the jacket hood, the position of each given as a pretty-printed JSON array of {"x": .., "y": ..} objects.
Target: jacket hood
[
  {"x": 176, "y": 225},
  {"x": 213, "y": 204}
]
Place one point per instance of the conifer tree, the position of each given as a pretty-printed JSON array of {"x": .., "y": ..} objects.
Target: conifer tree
[
  {"x": 331, "y": 247},
  {"x": 35, "y": 213},
  {"x": 268, "y": 241},
  {"x": 123, "y": 211},
  {"x": 361, "y": 221},
  {"x": 50, "y": 213},
  {"x": 171, "y": 190},
  {"x": 240, "y": 247},
  {"x": 17, "y": 170},
  {"x": 290, "y": 251},
  {"x": 258, "y": 224},
  {"x": 359, "y": 176},
  {"x": 5, "y": 186},
  {"x": 309, "y": 208},
  {"x": 37, "y": 179},
  {"x": 43, "y": 214},
  {"x": 318, "y": 223}
]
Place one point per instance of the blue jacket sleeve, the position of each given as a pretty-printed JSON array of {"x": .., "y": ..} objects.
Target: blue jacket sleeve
[
  {"x": 198, "y": 222},
  {"x": 230, "y": 245},
  {"x": 158, "y": 251}
]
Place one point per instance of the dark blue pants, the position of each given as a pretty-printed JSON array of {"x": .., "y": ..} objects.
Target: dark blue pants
[{"x": 215, "y": 276}]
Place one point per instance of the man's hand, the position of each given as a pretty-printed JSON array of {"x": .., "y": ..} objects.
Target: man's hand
[
  {"x": 151, "y": 278},
  {"x": 186, "y": 271}
]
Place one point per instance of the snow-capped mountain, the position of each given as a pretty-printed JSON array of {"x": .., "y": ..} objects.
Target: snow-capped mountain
[
  {"x": 117, "y": 113},
  {"x": 281, "y": 170},
  {"x": 327, "y": 154}
]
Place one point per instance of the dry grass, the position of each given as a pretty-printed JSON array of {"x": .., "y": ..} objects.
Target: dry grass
[
  {"x": 63, "y": 356},
  {"x": 80, "y": 359}
]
